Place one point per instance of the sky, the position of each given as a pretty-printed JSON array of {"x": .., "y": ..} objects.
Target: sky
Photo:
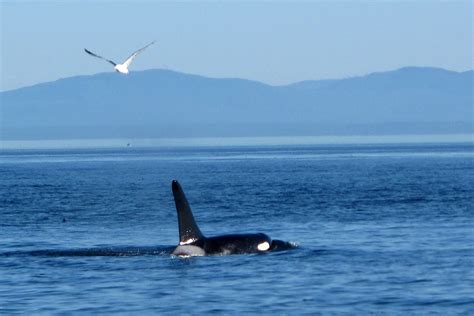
[{"x": 275, "y": 42}]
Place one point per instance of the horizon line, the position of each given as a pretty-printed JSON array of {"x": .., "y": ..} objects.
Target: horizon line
[{"x": 180, "y": 142}]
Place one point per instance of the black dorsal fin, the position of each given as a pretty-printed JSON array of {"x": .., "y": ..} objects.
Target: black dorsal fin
[{"x": 188, "y": 230}]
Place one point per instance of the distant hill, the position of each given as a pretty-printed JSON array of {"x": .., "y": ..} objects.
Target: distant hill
[{"x": 163, "y": 103}]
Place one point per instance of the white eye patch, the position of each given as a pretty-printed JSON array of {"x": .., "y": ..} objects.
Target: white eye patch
[{"x": 263, "y": 246}]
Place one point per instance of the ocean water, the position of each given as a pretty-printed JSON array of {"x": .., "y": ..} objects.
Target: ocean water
[{"x": 381, "y": 228}]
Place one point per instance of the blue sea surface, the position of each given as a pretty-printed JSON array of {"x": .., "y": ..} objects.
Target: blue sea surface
[{"x": 381, "y": 228}]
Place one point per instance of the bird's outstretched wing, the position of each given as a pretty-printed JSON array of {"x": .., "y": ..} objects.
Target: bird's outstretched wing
[
  {"x": 132, "y": 56},
  {"x": 92, "y": 54}
]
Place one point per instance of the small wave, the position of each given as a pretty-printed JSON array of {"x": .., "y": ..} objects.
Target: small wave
[
  {"x": 109, "y": 251},
  {"x": 95, "y": 252}
]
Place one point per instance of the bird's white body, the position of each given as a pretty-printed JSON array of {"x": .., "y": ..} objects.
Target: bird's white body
[{"x": 123, "y": 67}]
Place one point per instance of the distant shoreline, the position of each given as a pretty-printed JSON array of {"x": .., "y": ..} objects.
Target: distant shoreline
[
  {"x": 169, "y": 104},
  {"x": 116, "y": 143}
]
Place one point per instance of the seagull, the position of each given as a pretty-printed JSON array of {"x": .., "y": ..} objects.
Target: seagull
[{"x": 123, "y": 67}]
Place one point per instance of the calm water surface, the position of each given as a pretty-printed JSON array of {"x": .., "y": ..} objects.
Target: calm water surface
[{"x": 380, "y": 228}]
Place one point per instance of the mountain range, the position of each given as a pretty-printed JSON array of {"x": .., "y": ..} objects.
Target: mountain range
[{"x": 165, "y": 103}]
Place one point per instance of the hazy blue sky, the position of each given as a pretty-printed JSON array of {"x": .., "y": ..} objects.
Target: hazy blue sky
[{"x": 274, "y": 42}]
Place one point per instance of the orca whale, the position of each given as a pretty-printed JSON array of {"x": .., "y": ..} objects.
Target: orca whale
[{"x": 192, "y": 242}]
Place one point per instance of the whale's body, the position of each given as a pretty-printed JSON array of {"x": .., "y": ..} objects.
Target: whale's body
[{"x": 192, "y": 242}]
